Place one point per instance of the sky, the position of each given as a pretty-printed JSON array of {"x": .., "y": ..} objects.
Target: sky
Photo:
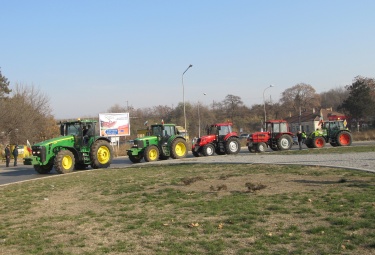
[{"x": 89, "y": 55}]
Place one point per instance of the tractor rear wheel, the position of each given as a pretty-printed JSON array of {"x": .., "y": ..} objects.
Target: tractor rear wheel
[
  {"x": 64, "y": 162},
  {"x": 135, "y": 158},
  {"x": 43, "y": 169},
  {"x": 179, "y": 148},
  {"x": 101, "y": 154},
  {"x": 319, "y": 142},
  {"x": 261, "y": 147},
  {"x": 151, "y": 153},
  {"x": 232, "y": 146},
  {"x": 344, "y": 138},
  {"x": 285, "y": 142},
  {"x": 208, "y": 150},
  {"x": 308, "y": 143}
]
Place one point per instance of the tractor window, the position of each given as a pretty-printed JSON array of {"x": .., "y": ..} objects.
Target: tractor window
[
  {"x": 283, "y": 127},
  {"x": 276, "y": 128},
  {"x": 223, "y": 130},
  {"x": 169, "y": 130},
  {"x": 156, "y": 131},
  {"x": 269, "y": 127},
  {"x": 73, "y": 129}
]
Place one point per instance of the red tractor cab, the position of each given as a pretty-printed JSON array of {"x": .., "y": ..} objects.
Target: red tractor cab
[
  {"x": 220, "y": 138},
  {"x": 277, "y": 137}
]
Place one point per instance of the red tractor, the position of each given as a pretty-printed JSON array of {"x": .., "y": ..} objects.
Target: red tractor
[
  {"x": 220, "y": 139},
  {"x": 277, "y": 137}
]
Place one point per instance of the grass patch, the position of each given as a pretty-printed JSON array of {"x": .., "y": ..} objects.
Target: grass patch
[{"x": 179, "y": 209}]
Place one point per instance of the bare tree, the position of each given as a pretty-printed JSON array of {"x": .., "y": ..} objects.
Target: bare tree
[
  {"x": 300, "y": 97},
  {"x": 26, "y": 115},
  {"x": 333, "y": 97}
]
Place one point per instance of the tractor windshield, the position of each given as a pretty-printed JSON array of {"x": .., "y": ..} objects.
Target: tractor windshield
[
  {"x": 156, "y": 130},
  {"x": 73, "y": 129}
]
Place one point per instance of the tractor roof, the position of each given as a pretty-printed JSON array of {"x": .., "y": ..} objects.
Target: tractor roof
[{"x": 79, "y": 121}]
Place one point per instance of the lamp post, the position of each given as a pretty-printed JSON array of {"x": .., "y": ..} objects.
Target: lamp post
[
  {"x": 264, "y": 105},
  {"x": 183, "y": 97},
  {"x": 199, "y": 119}
]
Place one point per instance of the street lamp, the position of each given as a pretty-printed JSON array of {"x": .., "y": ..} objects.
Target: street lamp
[
  {"x": 183, "y": 96},
  {"x": 199, "y": 119},
  {"x": 264, "y": 105}
]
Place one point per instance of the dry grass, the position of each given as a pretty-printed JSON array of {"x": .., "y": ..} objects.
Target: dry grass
[{"x": 205, "y": 209}]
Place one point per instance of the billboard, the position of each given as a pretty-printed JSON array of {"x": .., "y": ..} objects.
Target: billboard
[{"x": 114, "y": 124}]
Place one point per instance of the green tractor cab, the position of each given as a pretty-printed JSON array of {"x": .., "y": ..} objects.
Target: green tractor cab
[
  {"x": 76, "y": 148},
  {"x": 163, "y": 142},
  {"x": 334, "y": 132}
]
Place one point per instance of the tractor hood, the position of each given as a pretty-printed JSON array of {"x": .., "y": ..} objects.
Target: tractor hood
[
  {"x": 206, "y": 139},
  {"x": 56, "y": 140}
]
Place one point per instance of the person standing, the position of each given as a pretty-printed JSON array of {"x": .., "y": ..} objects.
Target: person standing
[
  {"x": 304, "y": 136},
  {"x": 7, "y": 155},
  {"x": 15, "y": 154},
  {"x": 299, "y": 136}
]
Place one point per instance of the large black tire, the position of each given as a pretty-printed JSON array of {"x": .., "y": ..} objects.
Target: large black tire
[
  {"x": 344, "y": 138},
  {"x": 135, "y": 158},
  {"x": 261, "y": 147},
  {"x": 151, "y": 153},
  {"x": 285, "y": 142},
  {"x": 43, "y": 169},
  {"x": 101, "y": 154},
  {"x": 64, "y": 162},
  {"x": 232, "y": 145},
  {"x": 309, "y": 143},
  {"x": 208, "y": 150},
  {"x": 179, "y": 148}
]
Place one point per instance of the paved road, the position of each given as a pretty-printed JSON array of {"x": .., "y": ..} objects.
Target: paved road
[{"x": 362, "y": 161}]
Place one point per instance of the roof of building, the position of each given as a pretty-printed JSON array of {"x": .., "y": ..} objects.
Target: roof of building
[{"x": 315, "y": 116}]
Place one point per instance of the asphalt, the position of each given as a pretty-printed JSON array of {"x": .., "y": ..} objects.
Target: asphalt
[{"x": 364, "y": 161}]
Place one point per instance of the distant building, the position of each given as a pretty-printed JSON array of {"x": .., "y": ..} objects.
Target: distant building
[{"x": 310, "y": 120}]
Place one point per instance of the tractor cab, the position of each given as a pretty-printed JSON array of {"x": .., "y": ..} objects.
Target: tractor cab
[
  {"x": 275, "y": 128},
  {"x": 83, "y": 132}
]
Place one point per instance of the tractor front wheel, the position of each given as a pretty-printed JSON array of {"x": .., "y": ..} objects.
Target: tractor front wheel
[
  {"x": 179, "y": 148},
  {"x": 285, "y": 142},
  {"x": 43, "y": 169},
  {"x": 319, "y": 142},
  {"x": 208, "y": 150},
  {"x": 261, "y": 147},
  {"x": 151, "y": 153},
  {"x": 232, "y": 146},
  {"x": 135, "y": 158},
  {"x": 344, "y": 138},
  {"x": 101, "y": 154},
  {"x": 64, "y": 162}
]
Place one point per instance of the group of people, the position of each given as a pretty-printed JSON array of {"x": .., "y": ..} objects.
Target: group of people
[
  {"x": 301, "y": 136},
  {"x": 8, "y": 153}
]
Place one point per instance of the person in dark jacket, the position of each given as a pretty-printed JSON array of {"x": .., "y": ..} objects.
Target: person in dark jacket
[
  {"x": 7, "y": 155},
  {"x": 299, "y": 136},
  {"x": 15, "y": 154}
]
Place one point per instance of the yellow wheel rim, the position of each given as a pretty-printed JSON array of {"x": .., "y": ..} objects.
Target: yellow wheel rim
[
  {"x": 67, "y": 162},
  {"x": 180, "y": 149},
  {"x": 153, "y": 154},
  {"x": 103, "y": 154}
]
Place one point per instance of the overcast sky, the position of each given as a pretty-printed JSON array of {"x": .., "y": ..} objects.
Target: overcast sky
[{"x": 87, "y": 56}]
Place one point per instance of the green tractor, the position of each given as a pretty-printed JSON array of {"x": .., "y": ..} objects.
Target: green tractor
[
  {"x": 164, "y": 142},
  {"x": 76, "y": 148},
  {"x": 333, "y": 132}
]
